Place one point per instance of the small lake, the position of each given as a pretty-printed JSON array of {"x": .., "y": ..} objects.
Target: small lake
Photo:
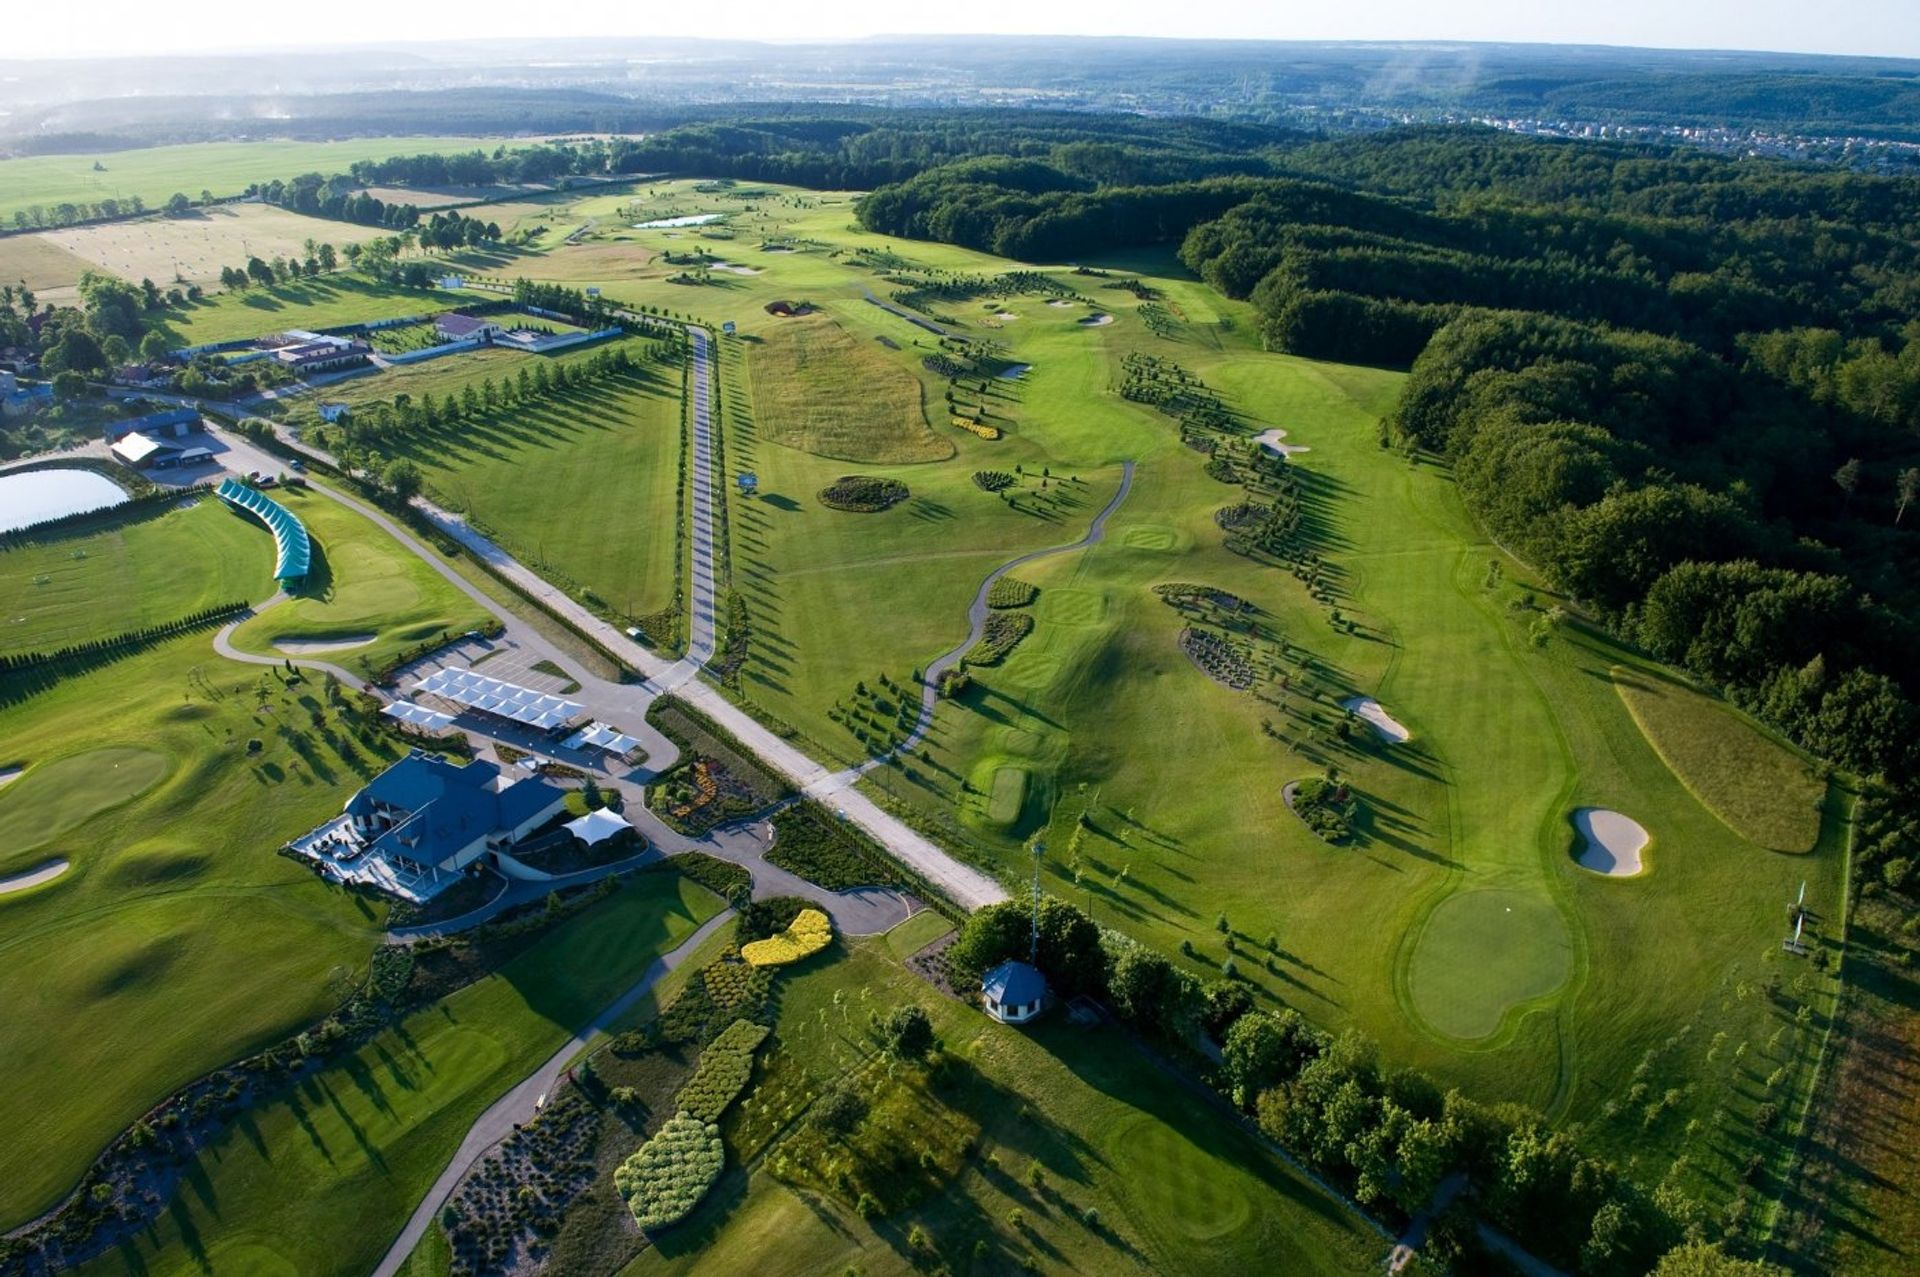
[
  {"x": 691, "y": 219},
  {"x": 38, "y": 495}
]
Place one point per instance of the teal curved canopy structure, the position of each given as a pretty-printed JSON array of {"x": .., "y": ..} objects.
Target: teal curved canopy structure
[{"x": 289, "y": 534}]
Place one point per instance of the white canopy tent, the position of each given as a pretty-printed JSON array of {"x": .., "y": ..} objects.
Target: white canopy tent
[
  {"x": 492, "y": 696},
  {"x": 420, "y": 716},
  {"x": 601, "y": 736},
  {"x": 597, "y": 826}
]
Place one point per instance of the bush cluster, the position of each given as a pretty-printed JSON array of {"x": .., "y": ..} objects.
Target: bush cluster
[
  {"x": 863, "y": 493},
  {"x": 723, "y": 1071},
  {"x": 806, "y": 935},
  {"x": 1002, "y": 633},
  {"x": 671, "y": 1172},
  {"x": 1011, "y": 592}
]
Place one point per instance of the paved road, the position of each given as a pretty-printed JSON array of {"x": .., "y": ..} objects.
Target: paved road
[{"x": 519, "y": 1105}]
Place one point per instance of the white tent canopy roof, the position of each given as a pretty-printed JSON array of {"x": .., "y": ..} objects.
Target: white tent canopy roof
[
  {"x": 597, "y": 826},
  {"x": 492, "y": 696},
  {"x": 418, "y": 715},
  {"x": 600, "y": 736}
]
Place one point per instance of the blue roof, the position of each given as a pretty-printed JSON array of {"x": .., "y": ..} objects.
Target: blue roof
[
  {"x": 448, "y": 806},
  {"x": 1014, "y": 983},
  {"x": 289, "y": 534},
  {"x": 153, "y": 421}
]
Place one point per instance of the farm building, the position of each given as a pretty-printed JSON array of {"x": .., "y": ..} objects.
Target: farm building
[
  {"x": 323, "y": 356},
  {"x": 143, "y": 452},
  {"x": 170, "y": 423},
  {"x": 454, "y": 326},
  {"x": 416, "y": 827}
]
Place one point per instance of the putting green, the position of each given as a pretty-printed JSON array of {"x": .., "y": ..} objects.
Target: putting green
[
  {"x": 1483, "y": 952},
  {"x": 1073, "y": 607},
  {"x": 53, "y": 798},
  {"x": 1009, "y": 795},
  {"x": 1186, "y": 1189},
  {"x": 1150, "y": 536}
]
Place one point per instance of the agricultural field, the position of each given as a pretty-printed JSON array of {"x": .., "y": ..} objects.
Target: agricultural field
[
  {"x": 194, "y": 248},
  {"x": 128, "y": 573},
  {"x": 367, "y": 596},
  {"x": 156, "y": 173},
  {"x": 321, "y": 1180},
  {"x": 176, "y": 940},
  {"x": 48, "y": 270}
]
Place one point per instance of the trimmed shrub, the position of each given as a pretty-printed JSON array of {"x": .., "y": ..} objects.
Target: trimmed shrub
[
  {"x": 671, "y": 1172},
  {"x": 1011, "y": 592},
  {"x": 723, "y": 1071},
  {"x": 806, "y": 935}
]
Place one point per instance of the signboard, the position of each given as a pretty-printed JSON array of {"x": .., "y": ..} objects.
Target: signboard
[
  {"x": 727, "y": 328},
  {"x": 593, "y": 292},
  {"x": 749, "y": 483}
]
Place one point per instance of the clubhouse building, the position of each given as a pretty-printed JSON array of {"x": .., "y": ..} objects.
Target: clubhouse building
[{"x": 419, "y": 826}]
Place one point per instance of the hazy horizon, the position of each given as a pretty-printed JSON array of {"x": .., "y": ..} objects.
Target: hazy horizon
[{"x": 1848, "y": 28}]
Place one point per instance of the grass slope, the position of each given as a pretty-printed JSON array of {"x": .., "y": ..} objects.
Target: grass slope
[
  {"x": 128, "y": 574},
  {"x": 1764, "y": 790},
  {"x": 818, "y": 388},
  {"x": 320, "y": 1181}
]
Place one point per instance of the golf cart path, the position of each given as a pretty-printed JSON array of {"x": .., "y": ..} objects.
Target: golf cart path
[
  {"x": 520, "y": 1104},
  {"x": 977, "y": 613},
  {"x": 223, "y": 644}
]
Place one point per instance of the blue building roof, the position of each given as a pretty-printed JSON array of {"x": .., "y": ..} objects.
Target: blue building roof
[
  {"x": 152, "y": 421},
  {"x": 448, "y": 806},
  {"x": 1014, "y": 983}
]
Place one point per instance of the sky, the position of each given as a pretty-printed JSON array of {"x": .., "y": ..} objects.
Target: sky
[{"x": 98, "y": 27}]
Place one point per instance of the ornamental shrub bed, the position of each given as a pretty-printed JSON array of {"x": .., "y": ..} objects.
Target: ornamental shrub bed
[
  {"x": 1002, "y": 633},
  {"x": 985, "y": 430},
  {"x": 806, "y": 935},
  {"x": 992, "y": 480},
  {"x": 810, "y": 843},
  {"x": 1329, "y": 807},
  {"x": 1011, "y": 592},
  {"x": 725, "y": 1066},
  {"x": 863, "y": 493},
  {"x": 666, "y": 1179}
]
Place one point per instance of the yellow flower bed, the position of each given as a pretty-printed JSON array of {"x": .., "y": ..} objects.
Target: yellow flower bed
[
  {"x": 806, "y": 935},
  {"x": 980, "y": 428}
]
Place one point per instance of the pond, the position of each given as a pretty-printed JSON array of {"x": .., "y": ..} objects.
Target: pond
[{"x": 37, "y": 495}]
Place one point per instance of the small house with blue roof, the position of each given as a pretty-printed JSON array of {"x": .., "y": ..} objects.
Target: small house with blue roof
[{"x": 1014, "y": 992}]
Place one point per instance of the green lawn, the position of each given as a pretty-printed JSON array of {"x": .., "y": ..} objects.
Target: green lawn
[
  {"x": 312, "y": 303},
  {"x": 155, "y": 173},
  {"x": 363, "y": 585},
  {"x": 821, "y": 389},
  {"x": 177, "y": 940},
  {"x": 130, "y": 573},
  {"x": 320, "y": 1181},
  {"x": 581, "y": 487},
  {"x": 1178, "y": 1187}
]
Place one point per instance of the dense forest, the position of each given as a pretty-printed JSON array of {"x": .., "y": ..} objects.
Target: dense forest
[{"x": 1686, "y": 388}]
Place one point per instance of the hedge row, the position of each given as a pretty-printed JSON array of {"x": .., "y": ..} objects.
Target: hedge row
[{"x": 120, "y": 642}]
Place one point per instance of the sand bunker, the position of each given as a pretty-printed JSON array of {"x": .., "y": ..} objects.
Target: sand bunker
[
  {"x": 10, "y": 773},
  {"x": 33, "y": 877},
  {"x": 1060, "y": 301},
  {"x": 1097, "y": 321},
  {"x": 1004, "y": 315},
  {"x": 1612, "y": 843},
  {"x": 1014, "y": 370},
  {"x": 1381, "y": 721},
  {"x": 1270, "y": 440},
  {"x": 691, "y": 219},
  {"x": 309, "y": 647},
  {"x": 734, "y": 268}
]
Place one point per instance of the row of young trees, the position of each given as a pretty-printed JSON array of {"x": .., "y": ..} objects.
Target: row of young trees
[{"x": 1387, "y": 1136}]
